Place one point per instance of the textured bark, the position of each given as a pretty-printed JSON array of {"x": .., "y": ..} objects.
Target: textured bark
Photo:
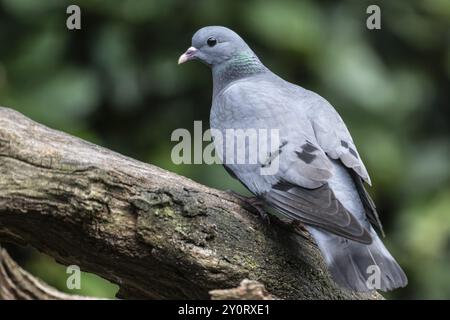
[
  {"x": 17, "y": 284},
  {"x": 154, "y": 233},
  {"x": 247, "y": 290}
]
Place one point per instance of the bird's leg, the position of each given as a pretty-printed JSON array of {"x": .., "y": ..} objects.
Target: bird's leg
[{"x": 254, "y": 203}]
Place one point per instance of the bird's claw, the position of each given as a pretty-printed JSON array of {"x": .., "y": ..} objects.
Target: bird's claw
[{"x": 255, "y": 203}]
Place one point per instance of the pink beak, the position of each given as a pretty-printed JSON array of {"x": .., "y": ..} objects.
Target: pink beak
[{"x": 188, "y": 55}]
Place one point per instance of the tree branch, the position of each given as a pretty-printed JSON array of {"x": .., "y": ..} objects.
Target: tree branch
[
  {"x": 17, "y": 284},
  {"x": 247, "y": 290},
  {"x": 154, "y": 233}
]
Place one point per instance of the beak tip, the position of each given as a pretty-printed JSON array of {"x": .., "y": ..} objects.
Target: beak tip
[{"x": 188, "y": 55}]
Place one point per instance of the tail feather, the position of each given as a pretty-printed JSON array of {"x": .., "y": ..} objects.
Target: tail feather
[{"x": 357, "y": 266}]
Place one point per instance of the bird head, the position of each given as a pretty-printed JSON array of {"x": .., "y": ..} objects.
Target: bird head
[{"x": 215, "y": 45}]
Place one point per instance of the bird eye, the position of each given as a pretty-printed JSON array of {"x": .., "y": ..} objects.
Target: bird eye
[{"x": 211, "y": 42}]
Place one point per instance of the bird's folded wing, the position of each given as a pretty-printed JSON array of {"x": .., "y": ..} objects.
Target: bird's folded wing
[
  {"x": 316, "y": 207},
  {"x": 335, "y": 140},
  {"x": 369, "y": 206}
]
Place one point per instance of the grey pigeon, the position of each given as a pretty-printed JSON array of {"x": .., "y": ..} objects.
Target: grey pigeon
[{"x": 320, "y": 180}]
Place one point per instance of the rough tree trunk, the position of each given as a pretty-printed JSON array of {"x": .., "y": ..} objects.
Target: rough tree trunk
[{"x": 152, "y": 232}]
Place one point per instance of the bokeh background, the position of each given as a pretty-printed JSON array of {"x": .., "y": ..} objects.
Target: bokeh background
[{"x": 116, "y": 83}]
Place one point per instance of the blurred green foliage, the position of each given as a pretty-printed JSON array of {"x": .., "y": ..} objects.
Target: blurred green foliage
[
  {"x": 57, "y": 275},
  {"x": 116, "y": 83}
]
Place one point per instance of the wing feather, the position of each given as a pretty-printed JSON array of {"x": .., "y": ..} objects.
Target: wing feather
[
  {"x": 317, "y": 207},
  {"x": 335, "y": 140}
]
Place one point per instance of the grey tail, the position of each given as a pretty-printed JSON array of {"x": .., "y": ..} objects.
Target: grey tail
[{"x": 357, "y": 266}]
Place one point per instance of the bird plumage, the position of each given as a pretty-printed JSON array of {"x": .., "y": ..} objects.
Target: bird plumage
[{"x": 320, "y": 177}]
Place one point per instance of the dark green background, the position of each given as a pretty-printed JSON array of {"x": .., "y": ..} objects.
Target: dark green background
[{"x": 116, "y": 83}]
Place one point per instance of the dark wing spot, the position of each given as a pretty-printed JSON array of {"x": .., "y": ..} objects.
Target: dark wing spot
[
  {"x": 307, "y": 152},
  {"x": 353, "y": 152},
  {"x": 308, "y": 147},
  {"x": 273, "y": 155},
  {"x": 305, "y": 156},
  {"x": 344, "y": 144},
  {"x": 280, "y": 148}
]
